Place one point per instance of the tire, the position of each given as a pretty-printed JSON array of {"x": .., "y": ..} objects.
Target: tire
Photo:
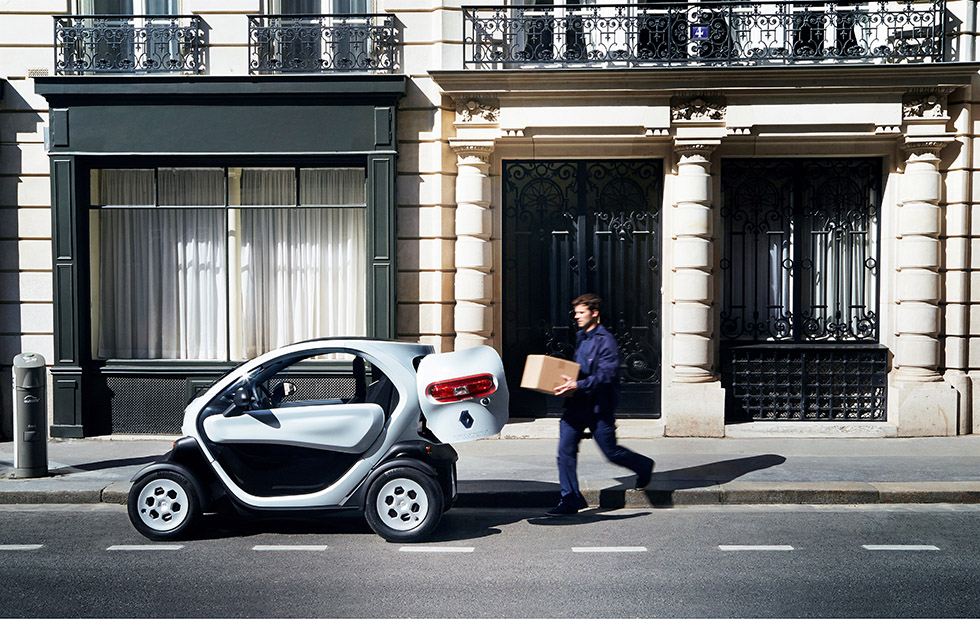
[
  {"x": 163, "y": 506},
  {"x": 404, "y": 505}
]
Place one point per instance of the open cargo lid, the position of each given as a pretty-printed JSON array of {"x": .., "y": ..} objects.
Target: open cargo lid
[{"x": 463, "y": 394}]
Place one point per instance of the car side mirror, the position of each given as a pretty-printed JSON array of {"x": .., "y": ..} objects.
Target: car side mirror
[{"x": 242, "y": 398}]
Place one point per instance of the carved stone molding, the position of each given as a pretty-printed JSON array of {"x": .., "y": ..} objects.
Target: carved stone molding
[
  {"x": 925, "y": 105},
  {"x": 924, "y": 146},
  {"x": 473, "y": 108},
  {"x": 698, "y": 109},
  {"x": 479, "y": 149}
]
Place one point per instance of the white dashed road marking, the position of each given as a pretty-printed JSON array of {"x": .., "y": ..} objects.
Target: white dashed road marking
[
  {"x": 745, "y": 548},
  {"x": 900, "y": 547},
  {"x": 609, "y": 549},
  {"x": 436, "y": 549},
  {"x": 138, "y": 547},
  {"x": 21, "y": 546},
  {"x": 290, "y": 548}
]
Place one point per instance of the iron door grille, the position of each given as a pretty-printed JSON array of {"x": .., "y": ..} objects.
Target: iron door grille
[
  {"x": 799, "y": 307},
  {"x": 572, "y": 227}
]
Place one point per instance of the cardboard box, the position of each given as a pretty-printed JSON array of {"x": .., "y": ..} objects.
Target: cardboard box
[{"x": 543, "y": 373}]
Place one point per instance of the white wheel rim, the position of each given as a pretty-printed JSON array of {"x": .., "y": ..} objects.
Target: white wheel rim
[
  {"x": 402, "y": 504},
  {"x": 163, "y": 505}
]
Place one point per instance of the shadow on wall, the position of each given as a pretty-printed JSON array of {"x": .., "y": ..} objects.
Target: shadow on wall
[{"x": 17, "y": 119}]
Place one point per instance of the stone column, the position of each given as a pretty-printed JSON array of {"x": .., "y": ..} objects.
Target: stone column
[
  {"x": 474, "y": 253},
  {"x": 925, "y": 405},
  {"x": 695, "y": 403}
]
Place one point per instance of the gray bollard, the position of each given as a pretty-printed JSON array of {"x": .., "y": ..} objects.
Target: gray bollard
[{"x": 30, "y": 416}]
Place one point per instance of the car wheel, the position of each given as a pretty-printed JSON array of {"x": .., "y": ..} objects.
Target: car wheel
[
  {"x": 163, "y": 506},
  {"x": 403, "y": 505}
]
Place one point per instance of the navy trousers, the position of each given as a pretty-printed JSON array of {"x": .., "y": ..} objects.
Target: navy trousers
[{"x": 604, "y": 432}]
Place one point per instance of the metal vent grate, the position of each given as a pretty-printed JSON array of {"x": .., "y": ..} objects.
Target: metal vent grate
[
  {"x": 318, "y": 387},
  {"x": 784, "y": 383},
  {"x": 146, "y": 405}
]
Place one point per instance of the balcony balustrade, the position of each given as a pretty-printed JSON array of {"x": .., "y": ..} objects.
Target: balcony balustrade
[
  {"x": 128, "y": 44},
  {"x": 704, "y": 33},
  {"x": 321, "y": 43}
]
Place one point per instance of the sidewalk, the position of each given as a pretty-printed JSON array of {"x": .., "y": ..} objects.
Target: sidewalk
[{"x": 522, "y": 473}]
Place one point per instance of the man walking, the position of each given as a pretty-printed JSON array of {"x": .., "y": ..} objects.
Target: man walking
[{"x": 594, "y": 395}]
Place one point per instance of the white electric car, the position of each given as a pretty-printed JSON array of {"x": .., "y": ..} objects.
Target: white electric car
[{"x": 329, "y": 424}]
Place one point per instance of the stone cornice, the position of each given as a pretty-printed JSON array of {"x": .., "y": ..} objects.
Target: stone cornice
[
  {"x": 480, "y": 149},
  {"x": 824, "y": 81}
]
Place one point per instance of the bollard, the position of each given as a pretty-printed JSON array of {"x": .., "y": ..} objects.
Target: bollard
[{"x": 30, "y": 416}]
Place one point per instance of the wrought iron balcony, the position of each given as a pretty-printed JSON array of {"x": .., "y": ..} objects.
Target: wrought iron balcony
[
  {"x": 128, "y": 44},
  {"x": 709, "y": 32},
  {"x": 321, "y": 43}
]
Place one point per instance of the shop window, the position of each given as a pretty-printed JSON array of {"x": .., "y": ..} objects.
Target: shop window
[{"x": 218, "y": 264}]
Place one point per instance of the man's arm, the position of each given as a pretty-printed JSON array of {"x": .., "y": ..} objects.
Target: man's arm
[{"x": 607, "y": 362}]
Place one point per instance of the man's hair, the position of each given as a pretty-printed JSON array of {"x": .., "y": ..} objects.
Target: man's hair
[{"x": 589, "y": 300}]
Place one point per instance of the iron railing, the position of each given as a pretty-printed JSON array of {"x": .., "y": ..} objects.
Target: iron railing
[
  {"x": 128, "y": 44},
  {"x": 749, "y": 32},
  {"x": 321, "y": 43}
]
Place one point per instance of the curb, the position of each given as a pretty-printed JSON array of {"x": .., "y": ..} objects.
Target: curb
[{"x": 505, "y": 495}]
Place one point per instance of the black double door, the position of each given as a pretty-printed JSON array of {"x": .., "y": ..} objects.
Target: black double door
[{"x": 572, "y": 227}]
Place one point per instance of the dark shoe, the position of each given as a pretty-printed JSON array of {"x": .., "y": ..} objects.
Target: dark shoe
[
  {"x": 582, "y": 503},
  {"x": 564, "y": 508},
  {"x": 643, "y": 480}
]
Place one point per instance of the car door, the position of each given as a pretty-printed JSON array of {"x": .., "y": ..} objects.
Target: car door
[{"x": 463, "y": 394}]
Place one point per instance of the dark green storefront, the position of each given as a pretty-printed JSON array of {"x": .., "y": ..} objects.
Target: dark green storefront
[{"x": 242, "y": 153}]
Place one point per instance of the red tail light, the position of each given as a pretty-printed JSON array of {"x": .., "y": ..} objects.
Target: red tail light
[{"x": 462, "y": 388}]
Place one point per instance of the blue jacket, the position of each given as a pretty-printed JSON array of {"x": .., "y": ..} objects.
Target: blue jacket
[{"x": 598, "y": 380}]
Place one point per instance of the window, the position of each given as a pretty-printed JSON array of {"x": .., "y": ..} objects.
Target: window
[
  {"x": 800, "y": 257},
  {"x": 310, "y": 41},
  {"x": 225, "y": 263}
]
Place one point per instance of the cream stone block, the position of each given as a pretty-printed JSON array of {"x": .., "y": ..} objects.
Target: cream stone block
[
  {"x": 921, "y": 182},
  {"x": 417, "y": 26},
  {"x": 19, "y": 96},
  {"x": 692, "y": 253},
  {"x": 34, "y": 255},
  {"x": 422, "y": 93},
  {"x": 975, "y": 321},
  {"x": 54, "y": 7},
  {"x": 227, "y": 29},
  {"x": 974, "y": 287},
  {"x": 472, "y": 285},
  {"x": 694, "y": 318},
  {"x": 918, "y": 351},
  {"x": 473, "y": 318},
  {"x": 231, "y": 60},
  {"x": 955, "y": 349},
  {"x": 426, "y": 189},
  {"x": 23, "y": 159},
  {"x": 919, "y": 218},
  {"x": 472, "y": 220},
  {"x": 918, "y": 252},
  {"x": 38, "y": 343},
  {"x": 425, "y": 254},
  {"x": 957, "y": 189},
  {"x": 9, "y": 260},
  {"x": 16, "y": 61},
  {"x": 435, "y": 318},
  {"x": 692, "y": 184},
  {"x": 957, "y": 287},
  {"x": 25, "y": 191},
  {"x": 426, "y": 158},
  {"x": 210, "y": 6},
  {"x": 418, "y": 57},
  {"x": 957, "y": 253},
  {"x": 692, "y": 286},
  {"x": 472, "y": 188},
  {"x": 926, "y": 409},
  {"x": 36, "y": 318},
  {"x": 26, "y": 29},
  {"x": 694, "y": 410},
  {"x": 957, "y": 320},
  {"x": 414, "y": 125},
  {"x": 439, "y": 343},
  {"x": 23, "y": 127},
  {"x": 470, "y": 340},
  {"x": 975, "y": 354},
  {"x": 691, "y": 350},
  {"x": 917, "y": 318},
  {"x": 918, "y": 285},
  {"x": 794, "y": 112},
  {"x": 425, "y": 287},
  {"x": 693, "y": 220},
  {"x": 473, "y": 253}
]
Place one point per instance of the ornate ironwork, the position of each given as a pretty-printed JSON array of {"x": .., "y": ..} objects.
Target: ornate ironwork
[
  {"x": 128, "y": 44},
  {"x": 321, "y": 43},
  {"x": 708, "y": 31},
  {"x": 584, "y": 226},
  {"x": 807, "y": 383},
  {"x": 801, "y": 250}
]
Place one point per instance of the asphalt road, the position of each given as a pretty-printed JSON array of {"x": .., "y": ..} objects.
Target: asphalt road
[{"x": 741, "y": 561}]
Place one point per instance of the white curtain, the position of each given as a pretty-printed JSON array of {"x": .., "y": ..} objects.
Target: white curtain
[
  {"x": 268, "y": 187},
  {"x": 331, "y": 186},
  {"x": 162, "y": 281},
  {"x": 303, "y": 275}
]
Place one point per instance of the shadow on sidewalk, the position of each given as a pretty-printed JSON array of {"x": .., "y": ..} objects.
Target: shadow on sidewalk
[
  {"x": 104, "y": 464},
  {"x": 663, "y": 484}
]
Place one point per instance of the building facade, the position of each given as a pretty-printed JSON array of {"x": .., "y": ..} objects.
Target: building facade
[{"x": 775, "y": 200}]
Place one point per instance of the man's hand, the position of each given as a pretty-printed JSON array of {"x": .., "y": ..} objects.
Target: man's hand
[{"x": 566, "y": 387}]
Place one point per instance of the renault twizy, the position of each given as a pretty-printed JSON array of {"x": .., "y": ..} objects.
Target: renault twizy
[{"x": 330, "y": 424}]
